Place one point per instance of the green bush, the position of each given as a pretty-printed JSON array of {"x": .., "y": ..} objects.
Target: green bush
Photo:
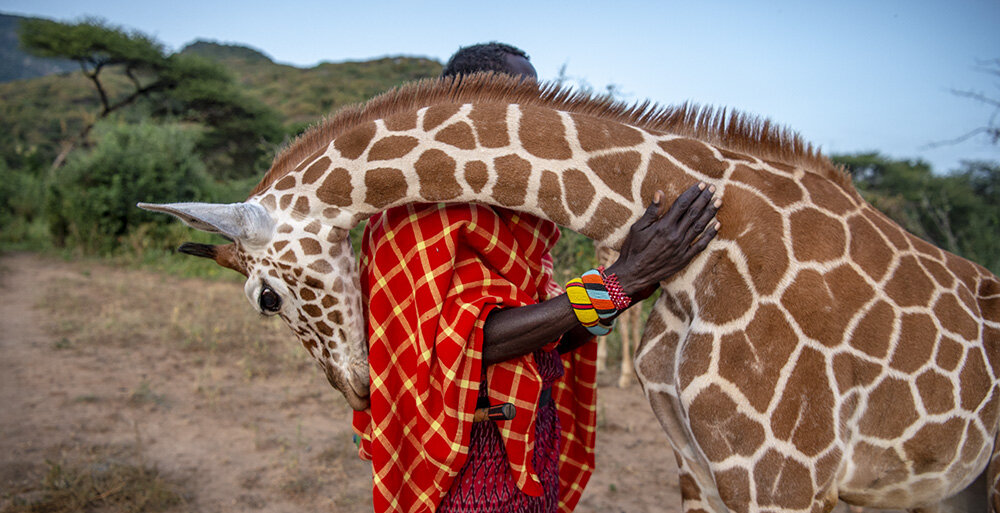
[{"x": 91, "y": 203}]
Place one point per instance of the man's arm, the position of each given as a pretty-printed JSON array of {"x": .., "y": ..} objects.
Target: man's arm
[{"x": 656, "y": 247}]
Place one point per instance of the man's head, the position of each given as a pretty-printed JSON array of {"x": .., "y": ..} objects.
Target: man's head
[{"x": 497, "y": 57}]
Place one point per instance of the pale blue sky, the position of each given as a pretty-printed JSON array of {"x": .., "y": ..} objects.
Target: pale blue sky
[{"x": 849, "y": 76}]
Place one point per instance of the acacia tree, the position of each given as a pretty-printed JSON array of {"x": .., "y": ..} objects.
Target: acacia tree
[{"x": 186, "y": 86}]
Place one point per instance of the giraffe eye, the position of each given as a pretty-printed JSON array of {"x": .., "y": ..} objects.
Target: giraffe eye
[{"x": 269, "y": 300}]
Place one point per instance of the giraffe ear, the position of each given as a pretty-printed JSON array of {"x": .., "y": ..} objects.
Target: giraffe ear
[
  {"x": 224, "y": 255},
  {"x": 248, "y": 223}
]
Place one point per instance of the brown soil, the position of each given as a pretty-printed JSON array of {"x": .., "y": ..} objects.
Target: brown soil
[{"x": 179, "y": 373}]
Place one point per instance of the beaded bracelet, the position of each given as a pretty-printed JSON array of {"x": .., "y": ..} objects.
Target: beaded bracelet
[
  {"x": 584, "y": 308},
  {"x": 615, "y": 290}
]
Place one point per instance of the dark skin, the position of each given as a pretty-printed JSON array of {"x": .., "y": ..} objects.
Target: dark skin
[{"x": 657, "y": 247}]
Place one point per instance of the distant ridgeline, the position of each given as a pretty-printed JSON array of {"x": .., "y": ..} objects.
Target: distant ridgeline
[{"x": 16, "y": 64}]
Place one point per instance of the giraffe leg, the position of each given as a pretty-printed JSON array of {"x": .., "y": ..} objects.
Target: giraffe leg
[
  {"x": 602, "y": 353},
  {"x": 993, "y": 479},
  {"x": 630, "y": 326}
]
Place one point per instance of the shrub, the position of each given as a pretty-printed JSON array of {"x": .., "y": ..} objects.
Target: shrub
[{"x": 92, "y": 199}]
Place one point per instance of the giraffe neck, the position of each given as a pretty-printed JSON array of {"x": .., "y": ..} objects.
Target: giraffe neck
[{"x": 592, "y": 175}]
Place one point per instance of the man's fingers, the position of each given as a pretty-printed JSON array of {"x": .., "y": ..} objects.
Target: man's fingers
[
  {"x": 703, "y": 220},
  {"x": 683, "y": 202},
  {"x": 652, "y": 212},
  {"x": 702, "y": 242}
]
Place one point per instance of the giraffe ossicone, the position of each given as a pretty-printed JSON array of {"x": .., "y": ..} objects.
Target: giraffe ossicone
[{"x": 814, "y": 351}]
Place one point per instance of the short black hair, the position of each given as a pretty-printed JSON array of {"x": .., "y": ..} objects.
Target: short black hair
[{"x": 481, "y": 57}]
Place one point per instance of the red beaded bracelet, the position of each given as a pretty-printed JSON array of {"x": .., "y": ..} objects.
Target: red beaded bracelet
[{"x": 615, "y": 290}]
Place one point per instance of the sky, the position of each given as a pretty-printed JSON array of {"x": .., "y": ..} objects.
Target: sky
[{"x": 849, "y": 76}]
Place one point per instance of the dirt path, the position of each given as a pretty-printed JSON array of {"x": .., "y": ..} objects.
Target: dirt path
[{"x": 100, "y": 364}]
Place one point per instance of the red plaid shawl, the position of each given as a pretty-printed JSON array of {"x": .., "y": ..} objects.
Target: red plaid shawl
[{"x": 431, "y": 274}]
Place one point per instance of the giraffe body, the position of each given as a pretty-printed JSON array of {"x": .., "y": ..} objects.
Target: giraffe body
[{"x": 813, "y": 351}]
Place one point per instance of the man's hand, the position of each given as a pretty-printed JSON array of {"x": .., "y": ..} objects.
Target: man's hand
[{"x": 657, "y": 247}]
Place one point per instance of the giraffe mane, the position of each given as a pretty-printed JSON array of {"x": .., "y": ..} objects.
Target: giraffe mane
[{"x": 729, "y": 129}]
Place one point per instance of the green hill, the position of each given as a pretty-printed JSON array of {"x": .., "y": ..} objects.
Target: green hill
[
  {"x": 302, "y": 95},
  {"x": 38, "y": 113}
]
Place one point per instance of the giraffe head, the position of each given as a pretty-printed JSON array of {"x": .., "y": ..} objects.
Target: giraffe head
[{"x": 299, "y": 269}]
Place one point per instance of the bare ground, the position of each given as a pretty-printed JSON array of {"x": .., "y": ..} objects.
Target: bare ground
[{"x": 100, "y": 363}]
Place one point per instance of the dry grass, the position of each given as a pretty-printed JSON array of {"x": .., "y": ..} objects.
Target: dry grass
[
  {"x": 108, "y": 481},
  {"x": 138, "y": 308}
]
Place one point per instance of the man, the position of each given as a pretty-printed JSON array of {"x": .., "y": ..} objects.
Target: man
[{"x": 463, "y": 312}]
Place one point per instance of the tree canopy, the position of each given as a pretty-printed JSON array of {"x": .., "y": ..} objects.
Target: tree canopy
[{"x": 184, "y": 87}]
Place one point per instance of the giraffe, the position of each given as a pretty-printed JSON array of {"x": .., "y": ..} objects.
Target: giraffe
[
  {"x": 814, "y": 351},
  {"x": 627, "y": 324}
]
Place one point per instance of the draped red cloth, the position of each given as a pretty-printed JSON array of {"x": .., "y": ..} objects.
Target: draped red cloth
[{"x": 430, "y": 274}]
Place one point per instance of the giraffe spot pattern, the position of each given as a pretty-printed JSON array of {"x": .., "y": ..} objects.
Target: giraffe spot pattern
[
  {"x": 458, "y": 135},
  {"x": 754, "y": 357},
  {"x": 402, "y": 121},
  {"x": 310, "y": 246},
  {"x": 917, "y": 335},
  {"x": 435, "y": 115},
  {"x": 611, "y": 216},
  {"x": 285, "y": 201},
  {"x": 285, "y": 183},
  {"x": 301, "y": 206},
  {"x": 876, "y": 468},
  {"x": 392, "y": 147},
  {"x": 617, "y": 170},
  {"x": 823, "y": 304},
  {"x": 949, "y": 353},
  {"x": 781, "y": 190},
  {"x": 543, "y": 135},
  {"x": 436, "y": 171},
  {"x": 816, "y": 236},
  {"x": 782, "y": 481},
  {"x": 827, "y": 195},
  {"x": 550, "y": 198},
  {"x": 316, "y": 170},
  {"x": 873, "y": 333},
  {"x": 934, "y": 446},
  {"x": 490, "y": 123},
  {"x": 974, "y": 381},
  {"x": 760, "y": 229},
  {"x": 720, "y": 429},
  {"x": 853, "y": 372},
  {"x": 936, "y": 392},
  {"x": 868, "y": 250},
  {"x": 804, "y": 416},
  {"x": 476, "y": 174},
  {"x": 354, "y": 142},
  {"x": 583, "y": 191},
  {"x": 336, "y": 188},
  {"x": 696, "y": 156},
  {"x": 660, "y": 173},
  {"x": 734, "y": 488},
  {"x": 954, "y": 318},
  {"x": 383, "y": 186},
  {"x": 596, "y": 134},
  {"x": 909, "y": 285},
  {"x": 886, "y": 228},
  {"x": 512, "y": 180},
  {"x": 723, "y": 278},
  {"x": 938, "y": 272},
  {"x": 697, "y": 357},
  {"x": 892, "y": 394}
]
